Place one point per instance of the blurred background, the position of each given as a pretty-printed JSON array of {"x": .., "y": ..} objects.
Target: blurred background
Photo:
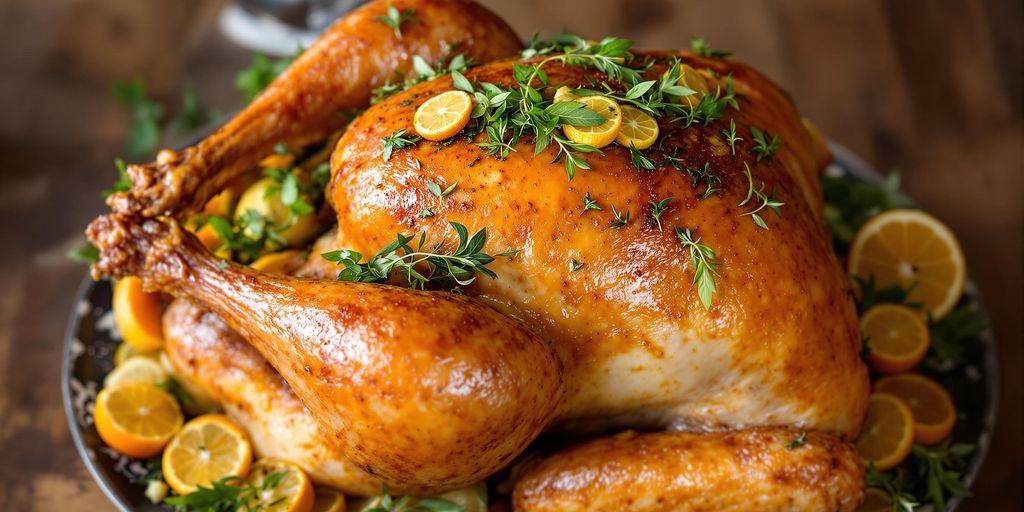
[{"x": 930, "y": 89}]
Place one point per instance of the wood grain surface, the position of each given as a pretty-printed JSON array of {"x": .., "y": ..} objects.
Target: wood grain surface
[{"x": 930, "y": 88}]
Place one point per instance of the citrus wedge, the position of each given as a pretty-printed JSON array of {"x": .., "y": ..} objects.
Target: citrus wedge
[
  {"x": 911, "y": 249},
  {"x": 603, "y": 134},
  {"x": 136, "y": 419},
  {"x": 564, "y": 93},
  {"x": 284, "y": 487},
  {"x": 930, "y": 403},
  {"x": 897, "y": 337},
  {"x": 138, "y": 315},
  {"x": 639, "y": 129},
  {"x": 887, "y": 433},
  {"x": 328, "y": 500},
  {"x": 443, "y": 115},
  {"x": 126, "y": 351},
  {"x": 206, "y": 449},
  {"x": 137, "y": 369}
]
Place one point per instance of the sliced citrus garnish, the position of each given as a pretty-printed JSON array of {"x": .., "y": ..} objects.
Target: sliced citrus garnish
[
  {"x": 897, "y": 337},
  {"x": 911, "y": 249},
  {"x": 930, "y": 403},
  {"x": 564, "y": 93},
  {"x": 138, "y": 315},
  {"x": 887, "y": 433},
  {"x": 137, "y": 369},
  {"x": 875, "y": 500},
  {"x": 206, "y": 449},
  {"x": 639, "y": 129},
  {"x": 285, "y": 487},
  {"x": 224, "y": 202},
  {"x": 328, "y": 500},
  {"x": 443, "y": 115},
  {"x": 126, "y": 351},
  {"x": 136, "y": 419},
  {"x": 603, "y": 134},
  {"x": 264, "y": 197},
  {"x": 279, "y": 262}
]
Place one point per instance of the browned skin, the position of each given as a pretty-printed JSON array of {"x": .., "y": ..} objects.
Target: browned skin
[
  {"x": 426, "y": 389},
  {"x": 337, "y": 73},
  {"x": 779, "y": 346},
  {"x": 209, "y": 355},
  {"x": 686, "y": 472}
]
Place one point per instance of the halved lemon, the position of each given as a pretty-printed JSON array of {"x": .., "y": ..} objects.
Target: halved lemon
[
  {"x": 137, "y": 369},
  {"x": 443, "y": 115},
  {"x": 929, "y": 402},
  {"x": 603, "y": 134},
  {"x": 288, "y": 490},
  {"x": 564, "y": 93},
  {"x": 206, "y": 449},
  {"x": 639, "y": 129},
  {"x": 126, "y": 351},
  {"x": 136, "y": 419},
  {"x": 328, "y": 500},
  {"x": 911, "y": 249},
  {"x": 875, "y": 500},
  {"x": 138, "y": 315},
  {"x": 897, "y": 337},
  {"x": 887, "y": 433}
]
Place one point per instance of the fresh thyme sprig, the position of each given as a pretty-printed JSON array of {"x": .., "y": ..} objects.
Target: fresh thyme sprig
[
  {"x": 422, "y": 265},
  {"x": 589, "y": 204},
  {"x": 766, "y": 201},
  {"x": 658, "y": 208},
  {"x": 423, "y": 71},
  {"x": 700, "y": 47},
  {"x": 641, "y": 162},
  {"x": 395, "y": 19},
  {"x": 397, "y": 140},
  {"x": 703, "y": 264},
  {"x": 731, "y": 137},
  {"x": 711, "y": 107},
  {"x": 710, "y": 178},
  {"x": 764, "y": 147},
  {"x": 230, "y": 493},
  {"x": 620, "y": 219},
  {"x": 940, "y": 470}
]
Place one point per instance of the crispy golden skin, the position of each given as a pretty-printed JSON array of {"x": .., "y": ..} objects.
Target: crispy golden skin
[
  {"x": 303, "y": 106},
  {"x": 688, "y": 472},
  {"x": 779, "y": 346},
  {"x": 209, "y": 355}
]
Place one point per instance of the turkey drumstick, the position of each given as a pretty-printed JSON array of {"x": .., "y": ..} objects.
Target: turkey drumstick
[
  {"x": 420, "y": 388},
  {"x": 304, "y": 105}
]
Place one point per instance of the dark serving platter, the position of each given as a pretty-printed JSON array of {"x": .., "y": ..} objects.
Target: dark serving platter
[{"x": 91, "y": 338}]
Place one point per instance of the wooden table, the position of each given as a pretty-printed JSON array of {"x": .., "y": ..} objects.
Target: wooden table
[{"x": 931, "y": 88}]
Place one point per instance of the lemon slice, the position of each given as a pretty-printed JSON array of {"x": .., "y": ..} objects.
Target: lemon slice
[
  {"x": 289, "y": 489},
  {"x": 443, "y": 115},
  {"x": 639, "y": 129},
  {"x": 137, "y": 369},
  {"x": 206, "y": 449},
  {"x": 887, "y": 434},
  {"x": 564, "y": 93},
  {"x": 897, "y": 337},
  {"x": 911, "y": 249},
  {"x": 138, "y": 315},
  {"x": 603, "y": 134},
  {"x": 136, "y": 419},
  {"x": 328, "y": 500},
  {"x": 875, "y": 500},
  {"x": 126, "y": 351}
]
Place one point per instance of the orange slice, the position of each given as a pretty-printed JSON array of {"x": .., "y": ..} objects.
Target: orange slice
[
  {"x": 910, "y": 248},
  {"x": 136, "y": 419},
  {"x": 887, "y": 433},
  {"x": 290, "y": 490},
  {"x": 930, "y": 403},
  {"x": 897, "y": 337},
  {"x": 138, "y": 315},
  {"x": 639, "y": 129},
  {"x": 875, "y": 500},
  {"x": 443, "y": 115},
  {"x": 603, "y": 134},
  {"x": 328, "y": 500},
  {"x": 206, "y": 449}
]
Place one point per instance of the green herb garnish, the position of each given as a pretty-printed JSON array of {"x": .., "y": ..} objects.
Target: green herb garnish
[
  {"x": 435, "y": 189},
  {"x": 703, "y": 264},
  {"x": 766, "y": 201},
  {"x": 763, "y": 146},
  {"x": 575, "y": 265},
  {"x": 87, "y": 254},
  {"x": 229, "y": 494},
  {"x": 395, "y": 19},
  {"x": 124, "y": 181},
  {"x": 658, "y": 208},
  {"x": 263, "y": 70},
  {"x": 797, "y": 442},
  {"x": 397, "y": 140},
  {"x": 698, "y": 46},
  {"x": 619, "y": 219},
  {"x": 641, "y": 162},
  {"x": 589, "y": 204},
  {"x": 144, "y": 135},
  {"x": 731, "y": 137},
  {"x": 709, "y": 177}
]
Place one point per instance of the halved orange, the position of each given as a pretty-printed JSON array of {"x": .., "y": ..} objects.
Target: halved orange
[
  {"x": 603, "y": 134},
  {"x": 138, "y": 315},
  {"x": 930, "y": 403},
  {"x": 136, "y": 419},
  {"x": 207, "y": 449},
  {"x": 328, "y": 500},
  {"x": 443, "y": 115},
  {"x": 639, "y": 129},
  {"x": 875, "y": 500},
  {"x": 897, "y": 337},
  {"x": 911, "y": 249},
  {"x": 291, "y": 490},
  {"x": 887, "y": 434}
]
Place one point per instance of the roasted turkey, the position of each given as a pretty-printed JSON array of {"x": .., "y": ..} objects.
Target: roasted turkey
[{"x": 586, "y": 330}]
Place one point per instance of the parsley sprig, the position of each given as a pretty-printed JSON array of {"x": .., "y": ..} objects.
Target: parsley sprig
[
  {"x": 765, "y": 200},
  {"x": 421, "y": 265},
  {"x": 703, "y": 264}
]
